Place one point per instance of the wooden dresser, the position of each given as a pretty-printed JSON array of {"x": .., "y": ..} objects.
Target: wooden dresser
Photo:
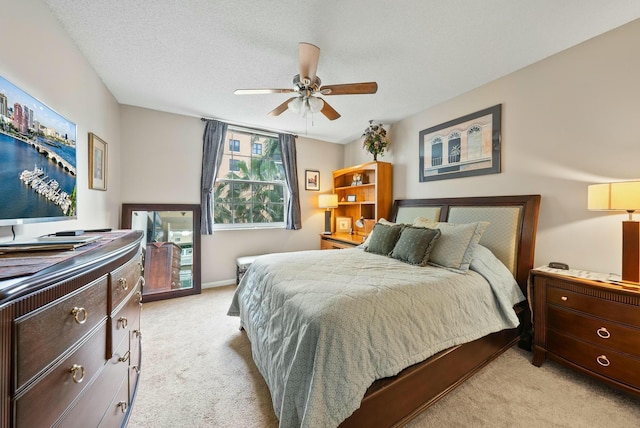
[
  {"x": 70, "y": 338},
  {"x": 591, "y": 326},
  {"x": 162, "y": 267}
]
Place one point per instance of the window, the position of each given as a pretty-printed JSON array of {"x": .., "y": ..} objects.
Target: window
[{"x": 252, "y": 192}]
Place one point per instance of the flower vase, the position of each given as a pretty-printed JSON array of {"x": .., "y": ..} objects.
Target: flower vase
[{"x": 375, "y": 157}]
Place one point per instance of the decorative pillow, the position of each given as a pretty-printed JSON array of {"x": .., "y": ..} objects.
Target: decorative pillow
[
  {"x": 365, "y": 244},
  {"x": 383, "y": 238},
  {"x": 415, "y": 244},
  {"x": 455, "y": 246}
]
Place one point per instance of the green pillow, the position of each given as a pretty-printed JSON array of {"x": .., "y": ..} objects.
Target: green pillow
[
  {"x": 383, "y": 238},
  {"x": 415, "y": 244}
]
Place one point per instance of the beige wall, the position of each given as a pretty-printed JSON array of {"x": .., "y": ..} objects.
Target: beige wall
[
  {"x": 162, "y": 165},
  {"x": 38, "y": 57},
  {"x": 567, "y": 122}
]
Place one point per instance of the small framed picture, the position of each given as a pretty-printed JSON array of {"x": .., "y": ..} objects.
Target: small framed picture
[
  {"x": 97, "y": 163},
  {"x": 351, "y": 198},
  {"x": 311, "y": 180},
  {"x": 343, "y": 224}
]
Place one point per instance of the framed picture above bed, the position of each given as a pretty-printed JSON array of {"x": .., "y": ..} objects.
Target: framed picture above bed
[
  {"x": 311, "y": 180},
  {"x": 462, "y": 147}
]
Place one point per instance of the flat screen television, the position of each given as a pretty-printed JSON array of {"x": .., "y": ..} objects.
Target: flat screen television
[{"x": 37, "y": 160}]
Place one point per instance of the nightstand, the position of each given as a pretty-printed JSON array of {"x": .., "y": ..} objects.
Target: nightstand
[
  {"x": 337, "y": 241},
  {"x": 590, "y": 326}
]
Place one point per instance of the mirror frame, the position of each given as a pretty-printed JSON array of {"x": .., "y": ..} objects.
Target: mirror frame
[{"x": 125, "y": 222}]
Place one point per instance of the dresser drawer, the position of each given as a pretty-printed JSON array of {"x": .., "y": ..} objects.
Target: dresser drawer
[
  {"x": 126, "y": 319},
  {"x": 90, "y": 409},
  {"x": 43, "y": 402},
  {"x": 614, "y": 311},
  {"x": 600, "y": 332},
  {"x": 43, "y": 335},
  {"x": 612, "y": 364},
  {"x": 114, "y": 416},
  {"x": 123, "y": 280}
]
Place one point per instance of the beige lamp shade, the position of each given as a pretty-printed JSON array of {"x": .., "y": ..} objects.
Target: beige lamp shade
[
  {"x": 328, "y": 201},
  {"x": 621, "y": 196}
]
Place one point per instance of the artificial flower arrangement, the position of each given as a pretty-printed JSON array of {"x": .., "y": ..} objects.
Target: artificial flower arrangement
[{"x": 375, "y": 140}]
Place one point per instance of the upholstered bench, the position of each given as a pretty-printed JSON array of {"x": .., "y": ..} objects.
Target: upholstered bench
[{"x": 242, "y": 264}]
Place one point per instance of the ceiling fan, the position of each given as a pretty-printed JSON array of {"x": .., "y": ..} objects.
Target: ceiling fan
[{"x": 309, "y": 86}]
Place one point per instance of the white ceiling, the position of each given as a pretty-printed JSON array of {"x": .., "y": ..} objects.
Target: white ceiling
[{"x": 188, "y": 56}]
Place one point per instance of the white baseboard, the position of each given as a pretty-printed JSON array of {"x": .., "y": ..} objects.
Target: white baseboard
[{"x": 222, "y": 283}]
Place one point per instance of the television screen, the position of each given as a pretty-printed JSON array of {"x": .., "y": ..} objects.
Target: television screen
[{"x": 37, "y": 160}]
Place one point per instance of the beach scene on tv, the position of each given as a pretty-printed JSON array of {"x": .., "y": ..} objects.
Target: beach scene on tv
[{"x": 37, "y": 158}]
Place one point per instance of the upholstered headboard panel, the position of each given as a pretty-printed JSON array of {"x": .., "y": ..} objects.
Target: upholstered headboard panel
[{"x": 512, "y": 224}]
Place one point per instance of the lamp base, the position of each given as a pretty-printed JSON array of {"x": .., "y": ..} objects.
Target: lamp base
[
  {"x": 631, "y": 252},
  {"x": 327, "y": 223}
]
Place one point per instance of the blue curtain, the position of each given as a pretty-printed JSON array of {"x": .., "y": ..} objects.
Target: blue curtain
[
  {"x": 212, "y": 151},
  {"x": 290, "y": 165}
]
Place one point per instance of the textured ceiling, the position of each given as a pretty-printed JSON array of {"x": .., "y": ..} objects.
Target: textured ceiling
[{"x": 188, "y": 56}]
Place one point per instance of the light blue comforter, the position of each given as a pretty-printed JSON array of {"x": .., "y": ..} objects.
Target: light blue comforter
[{"x": 324, "y": 325}]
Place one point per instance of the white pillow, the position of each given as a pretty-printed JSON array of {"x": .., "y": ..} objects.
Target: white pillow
[{"x": 454, "y": 248}]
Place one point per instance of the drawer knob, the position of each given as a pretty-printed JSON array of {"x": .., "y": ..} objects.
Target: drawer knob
[
  {"x": 123, "y": 321},
  {"x": 123, "y": 283},
  {"x": 137, "y": 333},
  {"x": 75, "y": 369},
  {"x": 80, "y": 315},
  {"x": 564, "y": 298},
  {"x": 123, "y": 406},
  {"x": 603, "y": 333},
  {"x": 603, "y": 360},
  {"x": 125, "y": 357}
]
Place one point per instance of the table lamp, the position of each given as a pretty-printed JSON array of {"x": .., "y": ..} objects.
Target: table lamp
[
  {"x": 621, "y": 196},
  {"x": 328, "y": 202}
]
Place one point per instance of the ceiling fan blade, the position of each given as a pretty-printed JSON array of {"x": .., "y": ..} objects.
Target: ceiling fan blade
[
  {"x": 308, "y": 57},
  {"x": 350, "y": 89},
  {"x": 262, "y": 91},
  {"x": 281, "y": 108},
  {"x": 329, "y": 112}
]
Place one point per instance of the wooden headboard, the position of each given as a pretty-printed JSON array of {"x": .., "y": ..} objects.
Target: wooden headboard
[{"x": 511, "y": 234}]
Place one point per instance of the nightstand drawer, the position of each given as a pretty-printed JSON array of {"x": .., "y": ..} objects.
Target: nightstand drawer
[
  {"x": 598, "y": 331},
  {"x": 614, "y": 311},
  {"x": 605, "y": 362}
]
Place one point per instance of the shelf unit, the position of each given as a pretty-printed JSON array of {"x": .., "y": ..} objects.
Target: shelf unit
[{"x": 372, "y": 198}]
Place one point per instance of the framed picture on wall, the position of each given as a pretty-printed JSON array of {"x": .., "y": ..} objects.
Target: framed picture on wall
[
  {"x": 311, "y": 180},
  {"x": 462, "y": 147},
  {"x": 97, "y": 162}
]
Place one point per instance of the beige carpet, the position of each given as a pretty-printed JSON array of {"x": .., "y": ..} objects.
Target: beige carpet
[{"x": 197, "y": 371}]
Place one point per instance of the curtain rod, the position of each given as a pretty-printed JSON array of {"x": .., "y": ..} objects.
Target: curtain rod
[{"x": 204, "y": 119}]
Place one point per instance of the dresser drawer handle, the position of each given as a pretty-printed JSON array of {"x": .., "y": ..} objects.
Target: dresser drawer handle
[
  {"x": 123, "y": 406},
  {"x": 603, "y": 333},
  {"x": 125, "y": 357},
  {"x": 564, "y": 298},
  {"x": 123, "y": 283},
  {"x": 123, "y": 321},
  {"x": 136, "y": 333},
  {"x": 136, "y": 369},
  {"x": 74, "y": 371},
  {"x": 603, "y": 360},
  {"x": 80, "y": 315}
]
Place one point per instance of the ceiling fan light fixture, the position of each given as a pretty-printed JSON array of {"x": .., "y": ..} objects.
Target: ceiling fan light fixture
[
  {"x": 295, "y": 105},
  {"x": 315, "y": 104}
]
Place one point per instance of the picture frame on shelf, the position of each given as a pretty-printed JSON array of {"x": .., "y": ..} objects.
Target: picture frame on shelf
[
  {"x": 311, "y": 180},
  {"x": 343, "y": 224},
  {"x": 351, "y": 198},
  {"x": 97, "y": 162},
  {"x": 462, "y": 147}
]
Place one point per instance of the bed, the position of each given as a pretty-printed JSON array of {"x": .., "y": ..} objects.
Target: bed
[{"x": 348, "y": 338}]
